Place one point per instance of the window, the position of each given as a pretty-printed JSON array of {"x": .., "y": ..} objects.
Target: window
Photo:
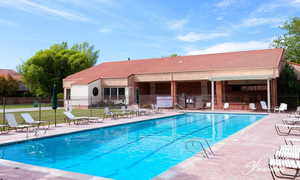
[
  {"x": 106, "y": 91},
  {"x": 95, "y": 91},
  {"x": 121, "y": 91},
  {"x": 68, "y": 94},
  {"x": 114, "y": 92}
]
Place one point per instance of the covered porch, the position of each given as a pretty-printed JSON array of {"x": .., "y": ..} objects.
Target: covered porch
[{"x": 195, "y": 94}]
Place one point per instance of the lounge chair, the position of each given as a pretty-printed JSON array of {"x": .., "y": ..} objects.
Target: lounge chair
[
  {"x": 135, "y": 108},
  {"x": 124, "y": 111},
  {"x": 29, "y": 120},
  {"x": 155, "y": 109},
  {"x": 70, "y": 117},
  {"x": 281, "y": 108},
  {"x": 263, "y": 105},
  {"x": 12, "y": 123},
  {"x": 289, "y": 128},
  {"x": 3, "y": 128},
  {"x": 291, "y": 120},
  {"x": 226, "y": 106},
  {"x": 280, "y": 164},
  {"x": 207, "y": 105},
  {"x": 109, "y": 114},
  {"x": 252, "y": 106}
]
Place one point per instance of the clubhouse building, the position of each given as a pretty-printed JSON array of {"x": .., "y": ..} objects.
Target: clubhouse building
[{"x": 238, "y": 78}]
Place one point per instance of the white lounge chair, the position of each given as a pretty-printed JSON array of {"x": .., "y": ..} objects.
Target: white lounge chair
[
  {"x": 226, "y": 105},
  {"x": 70, "y": 117},
  {"x": 12, "y": 123},
  {"x": 154, "y": 108},
  {"x": 281, "y": 108},
  {"x": 291, "y": 120},
  {"x": 289, "y": 128},
  {"x": 29, "y": 120},
  {"x": 109, "y": 114},
  {"x": 207, "y": 105},
  {"x": 252, "y": 106},
  {"x": 282, "y": 164},
  {"x": 263, "y": 105}
]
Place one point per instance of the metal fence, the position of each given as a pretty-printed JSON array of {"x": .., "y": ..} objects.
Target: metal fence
[{"x": 41, "y": 110}]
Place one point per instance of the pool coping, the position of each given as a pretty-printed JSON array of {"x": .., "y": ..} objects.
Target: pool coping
[
  {"x": 69, "y": 174},
  {"x": 172, "y": 172}
]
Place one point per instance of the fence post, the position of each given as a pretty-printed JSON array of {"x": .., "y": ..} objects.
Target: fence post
[
  {"x": 4, "y": 103},
  {"x": 40, "y": 109},
  {"x": 91, "y": 107}
]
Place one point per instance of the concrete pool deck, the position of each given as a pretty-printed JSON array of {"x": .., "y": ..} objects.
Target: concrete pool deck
[{"x": 243, "y": 155}]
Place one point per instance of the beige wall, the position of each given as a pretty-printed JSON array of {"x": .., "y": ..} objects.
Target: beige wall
[
  {"x": 115, "y": 82},
  {"x": 207, "y": 75}
]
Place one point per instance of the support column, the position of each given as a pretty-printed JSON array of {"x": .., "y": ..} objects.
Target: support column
[
  {"x": 219, "y": 94},
  {"x": 268, "y": 95},
  {"x": 212, "y": 95},
  {"x": 131, "y": 90},
  {"x": 173, "y": 92},
  {"x": 274, "y": 92},
  {"x": 152, "y": 88}
]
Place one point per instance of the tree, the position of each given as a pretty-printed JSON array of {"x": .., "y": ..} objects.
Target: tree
[
  {"x": 50, "y": 66},
  {"x": 289, "y": 92},
  {"x": 290, "y": 40},
  {"x": 173, "y": 55},
  {"x": 8, "y": 86}
]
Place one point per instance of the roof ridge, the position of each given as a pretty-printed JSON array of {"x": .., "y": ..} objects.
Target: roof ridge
[{"x": 209, "y": 54}]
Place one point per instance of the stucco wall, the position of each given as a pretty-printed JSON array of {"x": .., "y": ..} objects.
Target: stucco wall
[{"x": 91, "y": 98}]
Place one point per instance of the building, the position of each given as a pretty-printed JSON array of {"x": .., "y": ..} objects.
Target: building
[
  {"x": 16, "y": 76},
  {"x": 239, "y": 78}
]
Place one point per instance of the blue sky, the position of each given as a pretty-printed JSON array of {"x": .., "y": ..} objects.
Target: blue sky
[{"x": 140, "y": 28}]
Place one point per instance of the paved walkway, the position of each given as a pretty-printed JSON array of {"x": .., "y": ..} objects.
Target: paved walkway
[{"x": 242, "y": 156}]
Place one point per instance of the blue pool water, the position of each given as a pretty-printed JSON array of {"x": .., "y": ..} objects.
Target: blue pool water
[{"x": 140, "y": 150}]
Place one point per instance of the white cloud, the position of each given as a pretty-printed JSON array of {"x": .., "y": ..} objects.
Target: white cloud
[
  {"x": 104, "y": 30},
  {"x": 232, "y": 46},
  {"x": 225, "y": 3},
  {"x": 219, "y": 18},
  {"x": 192, "y": 36},
  {"x": 33, "y": 7},
  {"x": 295, "y": 2},
  {"x": 177, "y": 24},
  {"x": 251, "y": 22}
]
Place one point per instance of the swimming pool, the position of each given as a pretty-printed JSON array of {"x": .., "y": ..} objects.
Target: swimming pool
[{"x": 139, "y": 150}]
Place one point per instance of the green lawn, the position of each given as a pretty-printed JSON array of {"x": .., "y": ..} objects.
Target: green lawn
[
  {"x": 16, "y": 106},
  {"x": 48, "y": 115}
]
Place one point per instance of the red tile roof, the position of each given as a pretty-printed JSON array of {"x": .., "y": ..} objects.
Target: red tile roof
[
  {"x": 267, "y": 58},
  {"x": 6, "y": 72}
]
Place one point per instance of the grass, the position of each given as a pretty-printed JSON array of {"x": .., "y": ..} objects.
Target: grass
[
  {"x": 18, "y": 106},
  {"x": 48, "y": 115}
]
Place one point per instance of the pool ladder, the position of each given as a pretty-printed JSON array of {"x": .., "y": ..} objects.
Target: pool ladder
[{"x": 206, "y": 151}]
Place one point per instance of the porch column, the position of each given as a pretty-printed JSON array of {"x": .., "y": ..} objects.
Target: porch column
[
  {"x": 219, "y": 94},
  {"x": 274, "y": 92},
  {"x": 269, "y": 95},
  {"x": 173, "y": 92},
  {"x": 131, "y": 90},
  {"x": 152, "y": 88},
  {"x": 212, "y": 95}
]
